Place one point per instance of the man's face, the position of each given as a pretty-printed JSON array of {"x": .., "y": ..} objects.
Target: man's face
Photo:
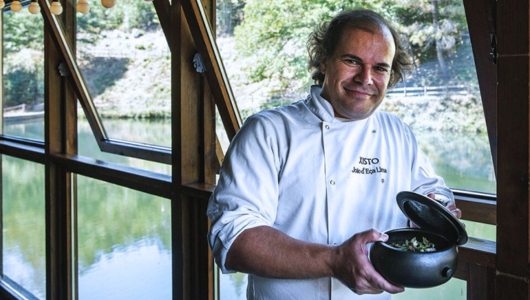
[{"x": 357, "y": 75}]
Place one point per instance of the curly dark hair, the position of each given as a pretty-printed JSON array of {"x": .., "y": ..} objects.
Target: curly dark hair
[{"x": 323, "y": 42}]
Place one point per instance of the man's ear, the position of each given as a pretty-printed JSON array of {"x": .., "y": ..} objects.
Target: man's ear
[{"x": 323, "y": 65}]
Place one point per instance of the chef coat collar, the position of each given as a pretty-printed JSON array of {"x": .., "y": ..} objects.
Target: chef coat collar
[{"x": 322, "y": 108}]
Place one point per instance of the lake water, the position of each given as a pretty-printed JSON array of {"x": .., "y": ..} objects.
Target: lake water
[{"x": 124, "y": 236}]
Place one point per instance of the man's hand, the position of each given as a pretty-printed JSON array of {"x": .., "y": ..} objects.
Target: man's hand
[
  {"x": 352, "y": 267},
  {"x": 450, "y": 205}
]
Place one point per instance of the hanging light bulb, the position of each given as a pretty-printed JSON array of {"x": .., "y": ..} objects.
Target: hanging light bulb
[
  {"x": 56, "y": 8},
  {"x": 108, "y": 3},
  {"x": 83, "y": 6},
  {"x": 2, "y": 4},
  {"x": 16, "y": 6},
  {"x": 34, "y": 7}
]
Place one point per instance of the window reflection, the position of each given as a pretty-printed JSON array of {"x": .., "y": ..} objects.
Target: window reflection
[
  {"x": 23, "y": 251},
  {"x": 154, "y": 131},
  {"x": 124, "y": 243}
]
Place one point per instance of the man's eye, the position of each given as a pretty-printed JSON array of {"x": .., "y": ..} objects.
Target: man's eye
[
  {"x": 382, "y": 70},
  {"x": 353, "y": 62}
]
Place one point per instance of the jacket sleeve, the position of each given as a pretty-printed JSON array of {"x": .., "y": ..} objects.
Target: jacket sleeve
[{"x": 246, "y": 195}]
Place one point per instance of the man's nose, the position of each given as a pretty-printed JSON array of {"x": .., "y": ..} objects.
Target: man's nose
[{"x": 364, "y": 76}]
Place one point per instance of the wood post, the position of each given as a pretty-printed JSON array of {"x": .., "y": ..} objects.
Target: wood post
[{"x": 513, "y": 222}]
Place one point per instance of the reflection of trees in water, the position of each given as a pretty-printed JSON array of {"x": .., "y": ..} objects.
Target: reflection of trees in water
[
  {"x": 24, "y": 222},
  {"x": 32, "y": 129},
  {"x": 467, "y": 153},
  {"x": 156, "y": 132},
  {"x": 458, "y": 156},
  {"x": 148, "y": 131},
  {"x": 112, "y": 218},
  {"x": 239, "y": 281},
  {"x": 481, "y": 230}
]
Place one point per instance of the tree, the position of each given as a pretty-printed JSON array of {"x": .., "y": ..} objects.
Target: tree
[
  {"x": 434, "y": 29},
  {"x": 274, "y": 33},
  {"x": 25, "y": 86},
  {"x": 23, "y": 31}
]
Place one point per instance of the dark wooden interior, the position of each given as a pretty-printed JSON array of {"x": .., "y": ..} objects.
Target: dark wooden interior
[{"x": 500, "y": 36}]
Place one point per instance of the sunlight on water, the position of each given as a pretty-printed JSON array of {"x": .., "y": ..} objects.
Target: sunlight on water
[{"x": 139, "y": 271}]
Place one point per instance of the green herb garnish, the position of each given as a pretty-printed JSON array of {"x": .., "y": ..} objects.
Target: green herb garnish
[{"x": 414, "y": 245}]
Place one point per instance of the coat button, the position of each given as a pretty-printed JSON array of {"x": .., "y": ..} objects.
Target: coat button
[
  {"x": 327, "y": 126},
  {"x": 332, "y": 182}
]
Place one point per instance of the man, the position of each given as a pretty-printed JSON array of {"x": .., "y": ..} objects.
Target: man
[{"x": 305, "y": 188}]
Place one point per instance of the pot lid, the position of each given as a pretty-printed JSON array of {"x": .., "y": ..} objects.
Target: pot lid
[{"x": 428, "y": 214}]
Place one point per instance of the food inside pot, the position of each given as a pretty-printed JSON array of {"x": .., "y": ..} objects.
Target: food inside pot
[{"x": 414, "y": 245}]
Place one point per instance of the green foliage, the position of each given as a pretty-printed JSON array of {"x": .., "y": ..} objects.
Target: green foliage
[
  {"x": 274, "y": 33},
  {"x": 23, "y": 30},
  {"x": 415, "y": 19},
  {"x": 23, "y": 66},
  {"x": 125, "y": 15},
  {"x": 24, "y": 86},
  {"x": 104, "y": 72},
  {"x": 229, "y": 15}
]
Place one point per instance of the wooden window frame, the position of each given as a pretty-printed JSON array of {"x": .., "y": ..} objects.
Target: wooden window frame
[{"x": 192, "y": 262}]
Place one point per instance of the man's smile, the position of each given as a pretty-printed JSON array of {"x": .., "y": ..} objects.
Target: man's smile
[{"x": 359, "y": 92}]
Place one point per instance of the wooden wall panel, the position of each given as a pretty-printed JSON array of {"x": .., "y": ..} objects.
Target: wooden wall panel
[
  {"x": 513, "y": 156},
  {"x": 512, "y": 195},
  {"x": 480, "y": 284}
]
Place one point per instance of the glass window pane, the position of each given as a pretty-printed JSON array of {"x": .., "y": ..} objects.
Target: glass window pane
[
  {"x": 125, "y": 61},
  {"x": 232, "y": 286},
  {"x": 124, "y": 243},
  {"x": 141, "y": 129},
  {"x": 24, "y": 251},
  {"x": 263, "y": 48},
  {"x": 481, "y": 230},
  {"x": 454, "y": 289},
  {"x": 23, "y": 74}
]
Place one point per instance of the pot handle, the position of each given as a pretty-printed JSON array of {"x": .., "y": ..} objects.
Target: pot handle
[{"x": 447, "y": 272}]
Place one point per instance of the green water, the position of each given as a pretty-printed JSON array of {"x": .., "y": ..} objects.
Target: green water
[{"x": 124, "y": 236}]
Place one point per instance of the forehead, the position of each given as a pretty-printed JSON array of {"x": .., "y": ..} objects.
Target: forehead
[{"x": 377, "y": 45}]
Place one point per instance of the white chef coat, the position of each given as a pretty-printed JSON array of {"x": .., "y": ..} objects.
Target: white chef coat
[{"x": 317, "y": 179}]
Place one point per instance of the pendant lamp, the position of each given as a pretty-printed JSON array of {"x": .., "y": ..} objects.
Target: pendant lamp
[
  {"x": 83, "y": 6},
  {"x": 56, "y": 8},
  {"x": 16, "y": 6},
  {"x": 34, "y": 7},
  {"x": 108, "y": 3}
]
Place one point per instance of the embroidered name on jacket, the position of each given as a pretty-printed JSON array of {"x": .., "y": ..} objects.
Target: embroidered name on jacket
[{"x": 368, "y": 166}]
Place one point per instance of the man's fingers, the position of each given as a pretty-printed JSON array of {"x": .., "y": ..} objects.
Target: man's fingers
[
  {"x": 451, "y": 206},
  {"x": 380, "y": 284},
  {"x": 372, "y": 235},
  {"x": 457, "y": 212}
]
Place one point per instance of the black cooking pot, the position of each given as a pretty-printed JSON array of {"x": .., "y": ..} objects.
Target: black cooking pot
[{"x": 420, "y": 269}]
